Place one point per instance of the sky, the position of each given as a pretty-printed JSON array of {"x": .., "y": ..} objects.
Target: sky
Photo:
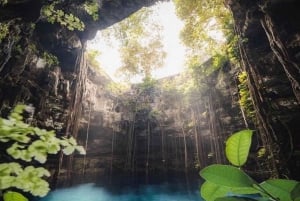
[{"x": 174, "y": 62}]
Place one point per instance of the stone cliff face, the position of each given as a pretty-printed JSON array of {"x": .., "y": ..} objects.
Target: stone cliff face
[
  {"x": 43, "y": 64},
  {"x": 271, "y": 58},
  {"x": 153, "y": 129}
]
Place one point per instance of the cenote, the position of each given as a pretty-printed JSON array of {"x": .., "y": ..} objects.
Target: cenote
[
  {"x": 147, "y": 100},
  {"x": 129, "y": 189}
]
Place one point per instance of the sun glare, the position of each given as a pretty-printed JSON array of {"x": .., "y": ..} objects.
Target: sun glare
[{"x": 164, "y": 13}]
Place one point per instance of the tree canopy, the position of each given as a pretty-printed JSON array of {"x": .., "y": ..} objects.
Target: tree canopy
[
  {"x": 206, "y": 28},
  {"x": 141, "y": 48}
]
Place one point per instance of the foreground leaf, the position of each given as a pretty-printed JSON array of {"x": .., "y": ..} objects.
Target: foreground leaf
[
  {"x": 226, "y": 175},
  {"x": 280, "y": 188},
  {"x": 238, "y": 146},
  {"x": 14, "y": 196},
  {"x": 295, "y": 194},
  {"x": 210, "y": 191},
  {"x": 234, "y": 199}
]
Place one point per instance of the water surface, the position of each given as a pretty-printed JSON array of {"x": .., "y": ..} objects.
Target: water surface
[{"x": 145, "y": 192}]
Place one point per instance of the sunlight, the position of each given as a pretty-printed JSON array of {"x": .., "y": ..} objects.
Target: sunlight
[{"x": 164, "y": 12}]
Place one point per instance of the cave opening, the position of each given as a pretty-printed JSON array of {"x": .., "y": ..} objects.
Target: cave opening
[{"x": 140, "y": 129}]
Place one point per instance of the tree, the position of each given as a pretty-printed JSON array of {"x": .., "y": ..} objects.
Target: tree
[
  {"x": 141, "y": 47},
  {"x": 205, "y": 21}
]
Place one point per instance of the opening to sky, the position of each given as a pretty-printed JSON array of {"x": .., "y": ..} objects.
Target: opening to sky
[{"x": 164, "y": 13}]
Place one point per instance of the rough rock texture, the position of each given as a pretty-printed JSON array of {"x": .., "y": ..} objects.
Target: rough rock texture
[
  {"x": 271, "y": 58},
  {"x": 155, "y": 129},
  {"x": 29, "y": 73}
]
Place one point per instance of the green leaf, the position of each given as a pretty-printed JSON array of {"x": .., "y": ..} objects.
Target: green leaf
[
  {"x": 8, "y": 168},
  {"x": 40, "y": 157},
  {"x": 80, "y": 149},
  {"x": 14, "y": 196},
  {"x": 234, "y": 199},
  {"x": 69, "y": 150},
  {"x": 40, "y": 172},
  {"x": 238, "y": 146},
  {"x": 295, "y": 194},
  {"x": 210, "y": 191},
  {"x": 6, "y": 182},
  {"x": 280, "y": 188},
  {"x": 226, "y": 175},
  {"x": 72, "y": 141},
  {"x": 53, "y": 148}
]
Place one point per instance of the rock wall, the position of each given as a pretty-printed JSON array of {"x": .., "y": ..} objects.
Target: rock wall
[
  {"x": 271, "y": 58},
  {"x": 43, "y": 64},
  {"x": 155, "y": 129}
]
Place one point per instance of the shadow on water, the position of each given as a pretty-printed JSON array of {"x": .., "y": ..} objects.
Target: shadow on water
[{"x": 128, "y": 188}]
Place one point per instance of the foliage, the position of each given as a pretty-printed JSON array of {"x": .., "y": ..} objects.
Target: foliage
[
  {"x": 141, "y": 49},
  {"x": 28, "y": 143},
  {"x": 218, "y": 60},
  {"x": 28, "y": 179},
  {"x": 53, "y": 15},
  {"x": 50, "y": 59},
  {"x": 117, "y": 88},
  {"x": 91, "y": 57},
  {"x": 245, "y": 97},
  {"x": 148, "y": 83},
  {"x": 3, "y": 31},
  {"x": 91, "y": 7},
  {"x": 208, "y": 32},
  {"x": 226, "y": 182},
  {"x": 14, "y": 196},
  {"x": 238, "y": 146},
  {"x": 203, "y": 25}
]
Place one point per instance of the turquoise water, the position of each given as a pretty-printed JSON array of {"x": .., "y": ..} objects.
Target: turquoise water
[{"x": 153, "y": 192}]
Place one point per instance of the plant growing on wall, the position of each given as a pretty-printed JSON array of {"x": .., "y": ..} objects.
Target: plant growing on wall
[
  {"x": 27, "y": 143},
  {"x": 230, "y": 183},
  {"x": 3, "y": 31},
  {"x": 53, "y": 15},
  {"x": 50, "y": 59},
  {"x": 245, "y": 97},
  {"x": 91, "y": 7}
]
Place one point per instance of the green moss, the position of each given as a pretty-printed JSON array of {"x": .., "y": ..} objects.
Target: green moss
[
  {"x": 3, "y": 30},
  {"x": 50, "y": 59},
  {"x": 245, "y": 97}
]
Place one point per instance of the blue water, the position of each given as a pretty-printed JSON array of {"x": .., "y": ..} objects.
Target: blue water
[{"x": 154, "y": 192}]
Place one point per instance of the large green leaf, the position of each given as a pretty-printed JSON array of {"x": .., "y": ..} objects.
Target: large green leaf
[
  {"x": 238, "y": 146},
  {"x": 226, "y": 175},
  {"x": 295, "y": 194},
  {"x": 280, "y": 188},
  {"x": 14, "y": 196},
  {"x": 210, "y": 191},
  {"x": 234, "y": 199}
]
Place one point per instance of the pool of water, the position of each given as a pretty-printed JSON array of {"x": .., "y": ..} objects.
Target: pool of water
[{"x": 167, "y": 191}]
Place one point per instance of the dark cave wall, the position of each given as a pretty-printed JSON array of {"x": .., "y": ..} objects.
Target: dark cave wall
[
  {"x": 157, "y": 130},
  {"x": 28, "y": 76},
  {"x": 271, "y": 58}
]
